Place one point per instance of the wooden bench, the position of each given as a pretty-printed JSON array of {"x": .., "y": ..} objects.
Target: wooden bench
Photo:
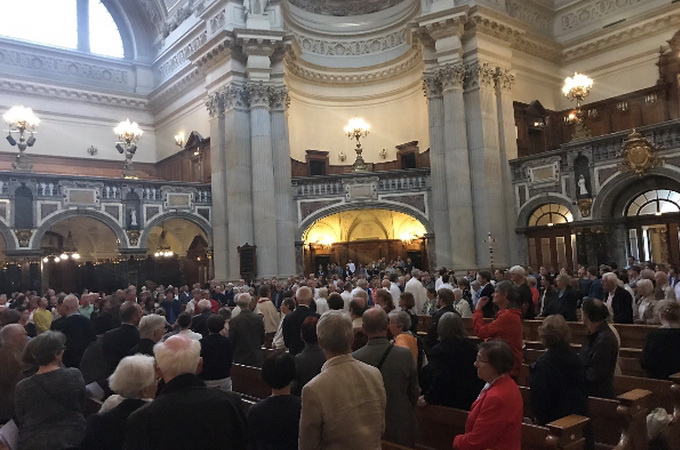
[
  {"x": 438, "y": 425},
  {"x": 247, "y": 382},
  {"x": 629, "y": 364}
]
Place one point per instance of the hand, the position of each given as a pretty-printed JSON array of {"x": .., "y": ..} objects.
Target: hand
[
  {"x": 421, "y": 401},
  {"x": 482, "y": 303}
]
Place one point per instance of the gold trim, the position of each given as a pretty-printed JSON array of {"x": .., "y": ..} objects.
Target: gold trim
[{"x": 638, "y": 155}]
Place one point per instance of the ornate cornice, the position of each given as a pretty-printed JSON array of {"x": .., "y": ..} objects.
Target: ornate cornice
[
  {"x": 538, "y": 20},
  {"x": 63, "y": 93},
  {"x": 170, "y": 65},
  {"x": 478, "y": 24},
  {"x": 594, "y": 10},
  {"x": 344, "y": 7},
  {"x": 344, "y": 47},
  {"x": 219, "y": 48},
  {"x": 166, "y": 94}
]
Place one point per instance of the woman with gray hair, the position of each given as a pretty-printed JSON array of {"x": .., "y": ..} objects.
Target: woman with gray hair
[
  {"x": 450, "y": 378},
  {"x": 134, "y": 382},
  {"x": 399, "y": 326},
  {"x": 48, "y": 404},
  {"x": 645, "y": 310}
]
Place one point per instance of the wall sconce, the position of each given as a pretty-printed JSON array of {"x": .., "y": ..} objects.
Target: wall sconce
[
  {"x": 128, "y": 134},
  {"x": 341, "y": 156},
  {"x": 383, "y": 153},
  {"x": 180, "y": 139},
  {"x": 21, "y": 120}
]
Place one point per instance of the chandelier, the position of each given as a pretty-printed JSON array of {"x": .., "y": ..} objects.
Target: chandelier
[
  {"x": 128, "y": 134},
  {"x": 163, "y": 246},
  {"x": 21, "y": 120},
  {"x": 578, "y": 88},
  {"x": 357, "y": 128},
  {"x": 68, "y": 250}
]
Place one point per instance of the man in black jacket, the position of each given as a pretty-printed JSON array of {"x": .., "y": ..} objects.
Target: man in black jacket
[
  {"x": 77, "y": 329},
  {"x": 117, "y": 343},
  {"x": 292, "y": 323},
  {"x": 617, "y": 298},
  {"x": 185, "y": 403},
  {"x": 446, "y": 298}
]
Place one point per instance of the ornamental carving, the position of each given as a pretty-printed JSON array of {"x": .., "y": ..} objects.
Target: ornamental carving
[
  {"x": 344, "y": 7},
  {"x": 480, "y": 75},
  {"x": 133, "y": 237},
  {"x": 182, "y": 14},
  {"x": 594, "y": 10},
  {"x": 452, "y": 77},
  {"x": 24, "y": 237},
  {"x": 259, "y": 94},
  {"x": 638, "y": 155},
  {"x": 432, "y": 85},
  {"x": 215, "y": 104},
  {"x": 585, "y": 205},
  {"x": 179, "y": 59},
  {"x": 235, "y": 97},
  {"x": 530, "y": 16},
  {"x": 352, "y": 48},
  {"x": 279, "y": 98},
  {"x": 504, "y": 79}
]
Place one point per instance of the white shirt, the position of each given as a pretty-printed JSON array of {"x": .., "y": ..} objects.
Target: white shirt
[
  {"x": 415, "y": 287},
  {"x": 396, "y": 292},
  {"x": 321, "y": 305},
  {"x": 346, "y": 298},
  {"x": 463, "y": 307}
]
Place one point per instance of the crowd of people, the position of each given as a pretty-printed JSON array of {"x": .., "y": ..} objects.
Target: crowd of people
[{"x": 351, "y": 367}]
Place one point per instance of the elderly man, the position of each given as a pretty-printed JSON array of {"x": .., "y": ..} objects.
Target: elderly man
[
  {"x": 151, "y": 331},
  {"x": 415, "y": 287},
  {"x": 185, "y": 404},
  {"x": 344, "y": 406},
  {"x": 117, "y": 343},
  {"x": 246, "y": 332},
  {"x": 518, "y": 276},
  {"x": 13, "y": 338},
  {"x": 293, "y": 323},
  {"x": 265, "y": 306},
  {"x": 199, "y": 323},
  {"x": 77, "y": 329},
  {"x": 663, "y": 291},
  {"x": 617, "y": 298},
  {"x": 399, "y": 376}
]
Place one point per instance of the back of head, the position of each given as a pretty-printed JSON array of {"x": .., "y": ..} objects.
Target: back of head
[
  {"x": 278, "y": 370},
  {"x": 450, "y": 328},
  {"x": 517, "y": 271},
  {"x": 357, "y": 307},
  {"x": 149, "y": 324},
  {"x": 304, "y": 295},
  {"x": 133, "y": 375},
  {"x": 203, "y": 305},
  {"x": 669, "y": 312},
  {"x": 408, "y": 299},
  {"x": 645, "y": 287},
  {"x": 484, "y": 275},
  {"x": 498, "y": 354},
  {"x": 71, "y": 303},
  {"x": 401, "y": 319},
  {"x": 243, "y": 301},
  {"x": 595, "y": 310},
  {"x": 308, "y": 330},
  {"x": 215, "y": 323},
  {"x": 375, "y": 321},
  {"x": 335, "y": 301},
  {"x": 554, "y": 332},
  {"x": 334, "y": 331},
  {"x": 184, "y": 320},
  {"x": 264, "y": 291},
  {"x": 128, "y": 311},
  {"x": 445, "y": 296},
  {"x": 46, "y": 346},
  {"x": 176, "y": 356},
  {"x": 10, "y": 334}
]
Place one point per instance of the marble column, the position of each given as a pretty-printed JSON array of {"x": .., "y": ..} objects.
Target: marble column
[
  {"x": 487, "y": 182},
  {"x": 458, "y": 187},
  {"x": 263, "y": 191},
  {"x": 504, "y": 81},
  {"x": 440, "y": 214},
  {"x": 286, "y": 220},
  {"x": 218, "y": 183},
  {"x": 238, "y": 193}
]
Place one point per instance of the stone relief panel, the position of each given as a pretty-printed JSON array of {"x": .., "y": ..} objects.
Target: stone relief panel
[
  {"x": 536, "y": 19},
  {"x": 594, "y": 10},
  {"x": 344, "y": 7},
  {"x": 418, "y": 201},
  {"x": 351, "y": 48},
  {"x": 307, "y": 208},
  {"x": 179, "y": 59}
]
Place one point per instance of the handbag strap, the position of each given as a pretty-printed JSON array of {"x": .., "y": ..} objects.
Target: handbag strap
[{"x": 384, "y": 356}]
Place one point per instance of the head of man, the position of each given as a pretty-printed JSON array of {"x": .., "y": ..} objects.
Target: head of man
[
  {"x": 134, "y": 377},
  {"x": 594, "y": 312},
  {"x": 184, "y": 320},
  {"x": 70, "y": 305},
  {"x": 484, "y": 277},
  {"x": 14, "y": 337},
  {"x": 152, "y": 327},
  {"x": 308, "y": 330},
  {"x": 278, "y": 371},
  {"x": 445, "y": 297},
  {"x": 243, "y": 301},
  {"x": 357, "y": 306},
  {"x": 383, "y": 298},
  {"x": 287, "y": 305},
  {"x": 375, "y": 322},
  {"x": 215, "y": 323},
  {"x": 42, "y": 303},
  {"x": 196, "y": 295},
  {"x": 304, "y": 295},
  {"x": 131, "y": 294},
  {"x": 203, "y": 305},
  {"x": 335, "y": 334},
  {"x": 609, "y": 281},
  {"x": 131, "y": 313},
  {"x": 661, "y": 279},
  {"x": 177, "y": 356},
  {"x": 517, "y": 274}
]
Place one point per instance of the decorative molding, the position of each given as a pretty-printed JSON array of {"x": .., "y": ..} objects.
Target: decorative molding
[
  {"x": 23, "y": 237},
  {"x": 155, "y": 14},
  {"x": 432, "y": 85},
  {"x": 638, "y": 155},
  {"x": 504, "y": 79},
  {"x": 168, "y": 93},
  {"x": 280, "y": 100},
  {"x": 351, "y": 47},
  {"x": 452, "y": 77},
  {"x": 179, "y": 59},
  {"x": 594, "y": 10},
  {"x": 216, "y": 23},
  {"x": 235, "y": 96},
  {"x": 531, "y": 16},
  {"x": 489, "y": 27},
  {"x": 481, "y": 74},
  {"x": 344, "y": 7},
  {"x": 259, "y": 95},
  {"x": 182, "y": 14},
  {"x": 215, "y": 104},
  {"x": 62, "y": 93},
  {"x": 63, "y": 66},
  {"x": 215, "y": 54},
  {"x": 585, "y": 205},
  {"x": 133, "y": 237}
]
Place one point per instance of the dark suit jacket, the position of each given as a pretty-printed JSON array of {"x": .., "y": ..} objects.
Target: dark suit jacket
[
  {"x": 622, "y": 304},
  {"x": 307, "y": 365},
  {"x": 246, "y": 333},
  {"x": 106, "y": 430},
  {"x": 291, "y": 328},
  {"x": 117, "y": 343},
  {"x": 217, "y": 355},
  {"x": 144, "y": 346},
  {"x": 432, "y": 335},
  {"x": 199, "y": 324},
  {"x": 490, "y": 309},
  {"x": 187, "y": 414},
  {"x": 564, "y": 304},
  {"x": 79, "y": 334}
]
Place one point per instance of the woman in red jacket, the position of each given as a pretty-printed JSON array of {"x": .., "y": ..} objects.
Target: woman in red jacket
[
  {"x": 507, "y": 326},
  {"x": 495, "y": 420}
]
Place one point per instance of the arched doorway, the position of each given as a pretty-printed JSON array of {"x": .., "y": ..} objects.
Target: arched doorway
[
  {"x": 187, "y": 256},
  {"x": 550, "y": 239},
  {"x": 364, "y": 236},
  {"x": 80, "y": 252},
  {"x": 652, "y": 219}
]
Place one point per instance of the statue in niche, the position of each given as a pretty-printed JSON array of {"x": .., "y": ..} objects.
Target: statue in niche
[
  {"x": 255, "y": 6},
  {"x": 582, "y": 188},
  {"x": 133, "y": 217}
]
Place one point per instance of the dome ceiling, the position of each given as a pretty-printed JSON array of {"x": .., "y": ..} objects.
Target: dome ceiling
[{"x": 344, "y": 7}]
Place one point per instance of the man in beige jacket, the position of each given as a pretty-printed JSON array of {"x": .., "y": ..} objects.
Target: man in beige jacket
[
  {"x": 344, "y": 406},
  {"x": 266, "y": 308}
]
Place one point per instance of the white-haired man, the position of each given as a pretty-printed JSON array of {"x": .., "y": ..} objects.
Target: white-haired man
[
  {"x": 519, "y": 278},
  {"x": 344, "y": 406},
  {"x": 246, "y": 332},
  {"x": 77, "y": 329},
  {"x": 185, "y": 404},
  {"x": 151, "y": 331},
  {"x": 415, "y": 287},
  {"x": 617, "y": 298}
]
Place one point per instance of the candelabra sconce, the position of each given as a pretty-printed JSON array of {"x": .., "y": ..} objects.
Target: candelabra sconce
[
  {"x": 21, "y": 120},
  {"x": 341, "y": 156},
  {"x": 357, "y": 128},
  {"x": 383, "y": 154},
  {"x": 578, "y": 88},
  {"x": 180, "y": 139},
  {"x": 128, "y": 134}
]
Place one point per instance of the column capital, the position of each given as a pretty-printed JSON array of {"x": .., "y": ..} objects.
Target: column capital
[
  {"x": 504, "y": 79},
  {"x": 432, "y": 85},
  {"x": 452, "y": 77},
  {"x": 235, "y": 96},
  {"x": 480, "y": 75},
  {"x": 279, "y": 98},
  {"x": 259, "y": 94},
  {"x": 215, "y": 104}
]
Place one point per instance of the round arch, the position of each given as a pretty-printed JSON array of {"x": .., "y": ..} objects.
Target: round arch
[
  {"x": 137, "y": 25},
  {"x": 9, "y": 237},
  {"x": 376, "y": 204},
  {"x": 63, "y": 215},
  {"x": 158, "y": 220},
  {"x": 529, "y": 207},
  {"x": 623, "y": 187}
]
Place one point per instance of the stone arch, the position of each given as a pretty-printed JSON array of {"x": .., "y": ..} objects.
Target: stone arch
[
  {"x": 529, "y": 207},
  {"x": 9, "y": 237},
  {"x": 375, "y": 204},
  {"x": 138, "y": 23},
  {"x": 199, "y": 221},
  {"x": 610, "y": 201},
  {"x": 92, "y": 214}
]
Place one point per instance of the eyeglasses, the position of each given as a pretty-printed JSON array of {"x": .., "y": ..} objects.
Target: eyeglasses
[{"x": 481, "y": 360}]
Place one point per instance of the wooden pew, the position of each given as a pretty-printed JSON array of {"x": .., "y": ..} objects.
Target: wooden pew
[
  {"x": 247, "y": 382},
  {"x": 630, "y": 365},
  {"x": 438, "y": 425}
]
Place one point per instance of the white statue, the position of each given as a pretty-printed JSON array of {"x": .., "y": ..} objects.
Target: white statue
[
  {"x": 133, "y": 217},
  {"x": 255, "y": 6},
  {"x": 582, "y": 189}
]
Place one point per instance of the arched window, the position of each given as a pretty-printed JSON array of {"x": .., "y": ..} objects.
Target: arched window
[
  {"x": 656, "y": 202},
  {"x": 84, "y": 25},
  {"x": 550, "y": 214}
]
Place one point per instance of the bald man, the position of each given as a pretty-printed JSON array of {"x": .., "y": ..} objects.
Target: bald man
[{"x": 77, "y": 329}]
